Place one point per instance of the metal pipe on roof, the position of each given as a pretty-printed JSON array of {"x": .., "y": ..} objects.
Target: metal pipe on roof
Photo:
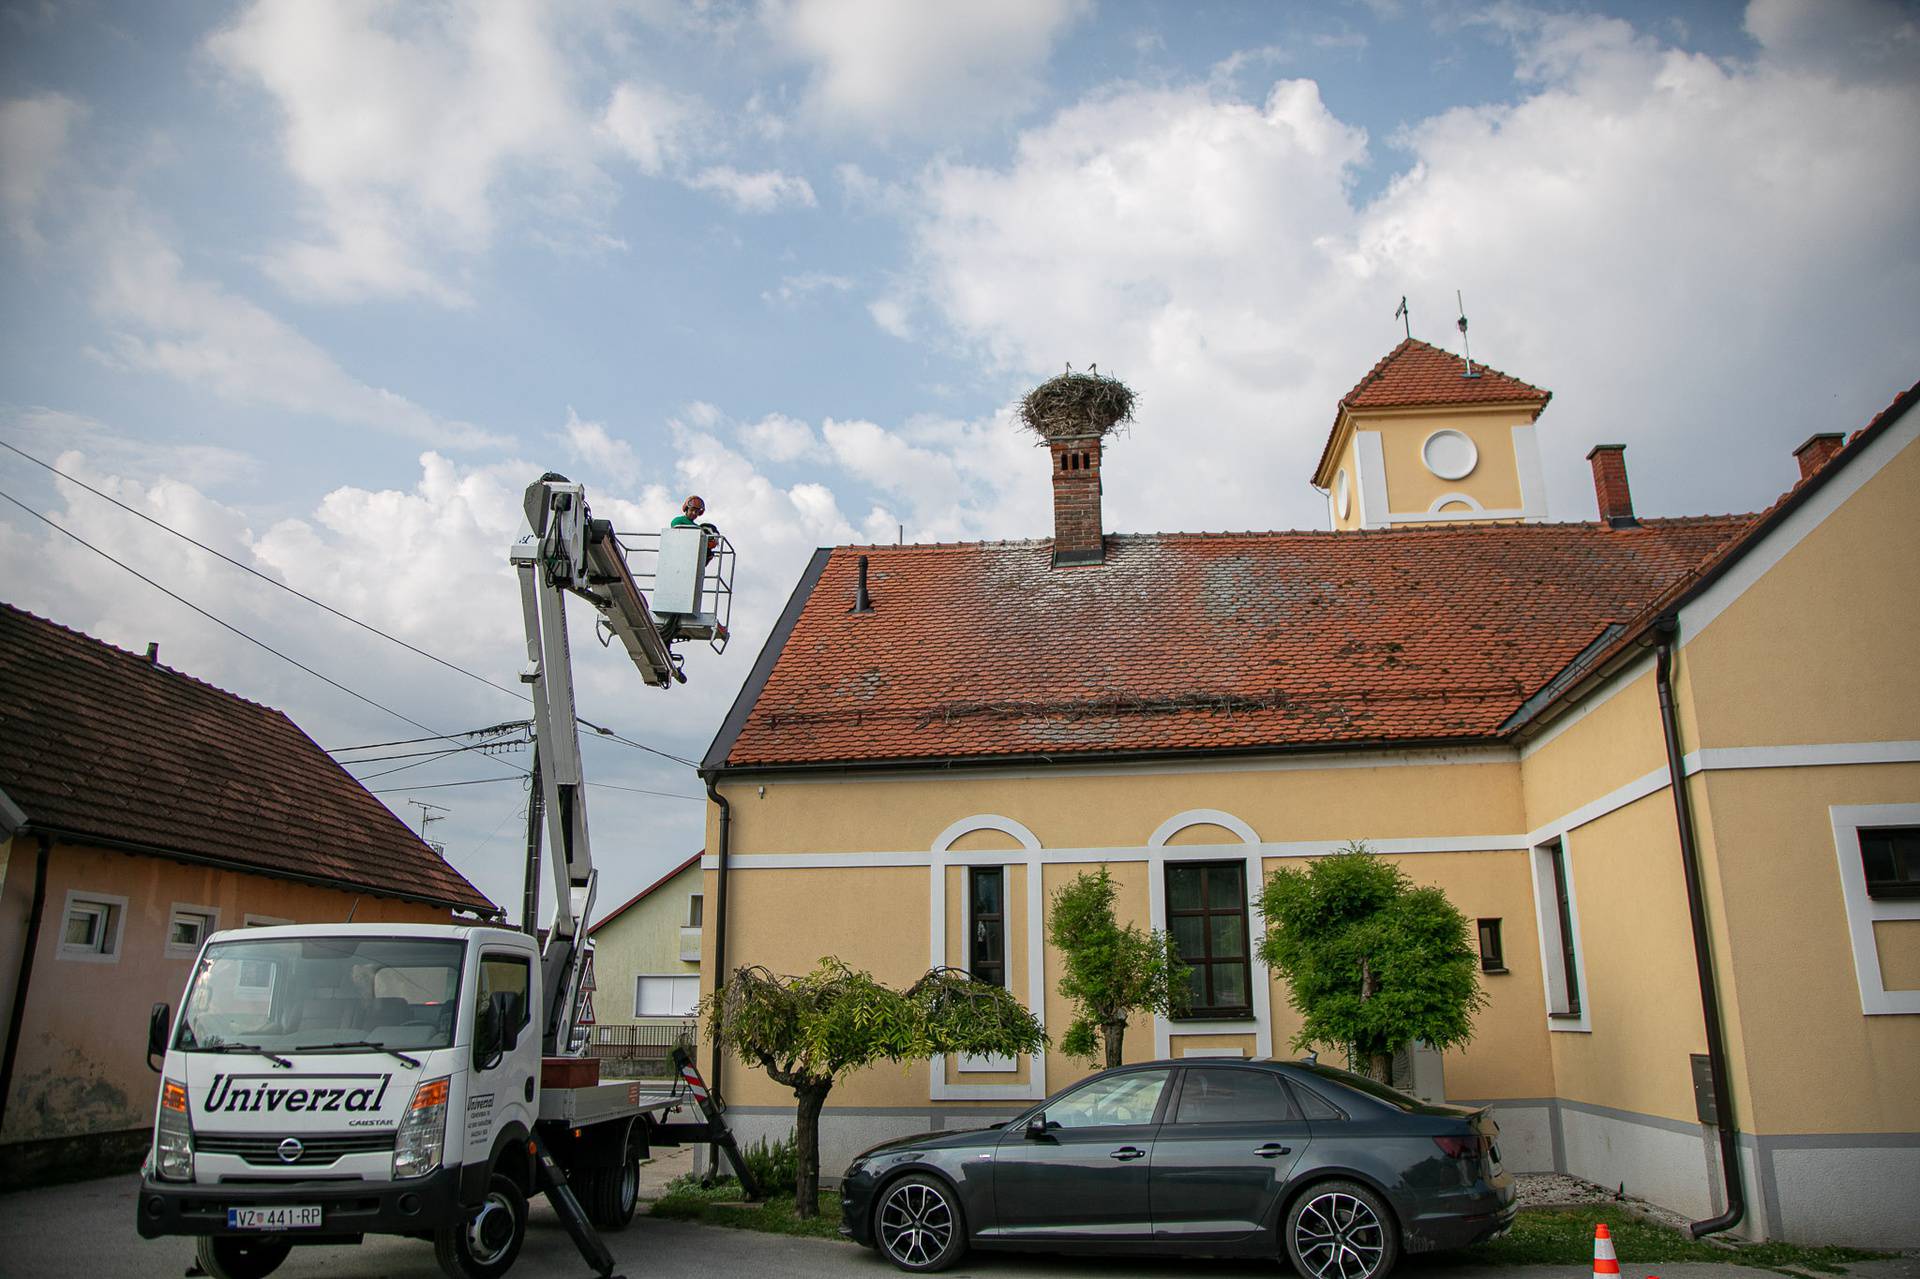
[
  {"x": 1668, "y": 629},
  {"x": 862, "y": 602},
  {"x": 17, "y": 1018}
]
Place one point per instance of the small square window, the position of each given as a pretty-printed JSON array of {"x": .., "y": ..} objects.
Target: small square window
[
  {"x": 187, "y": 927},
  {"x": 696, "y": 910},
  {"x": 1492, "y": 958},
  {"x": 1891, "y": 856},
  {"x": 91, "y": 927}
]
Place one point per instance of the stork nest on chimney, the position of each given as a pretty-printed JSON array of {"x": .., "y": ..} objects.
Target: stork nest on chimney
[{"x": 1076, "y": 405}]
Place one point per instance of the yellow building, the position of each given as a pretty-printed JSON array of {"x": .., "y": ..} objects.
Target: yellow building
[
  {"x": 1498, "y": 703},
  {"x": 646, "y": 963}
]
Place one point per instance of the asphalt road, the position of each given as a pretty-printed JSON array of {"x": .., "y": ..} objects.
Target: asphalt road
[{"x": 87, "y": 1230}]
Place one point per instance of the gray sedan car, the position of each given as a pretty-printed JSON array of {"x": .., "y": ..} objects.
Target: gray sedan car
[{"x": 1211, "y": 1157}]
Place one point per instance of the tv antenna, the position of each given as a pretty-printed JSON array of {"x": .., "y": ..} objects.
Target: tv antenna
[
  {"x": 1403, "y": 315},
  {"x": 429, "y": 814},
  {"x": 1465, "y": 348}
]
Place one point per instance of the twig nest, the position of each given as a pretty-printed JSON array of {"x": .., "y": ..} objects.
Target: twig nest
[{"x": 1076, "y": 405}]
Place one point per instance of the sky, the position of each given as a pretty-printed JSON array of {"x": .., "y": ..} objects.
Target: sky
[{"x": 324, "y": 286}]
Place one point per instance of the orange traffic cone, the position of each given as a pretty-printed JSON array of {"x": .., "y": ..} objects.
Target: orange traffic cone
[{"x": 1605, "y": 1264}]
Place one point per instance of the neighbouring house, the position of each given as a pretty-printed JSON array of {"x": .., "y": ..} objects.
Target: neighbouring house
[
  {"x": 646, "y": 963},
  {"x": 140, "y": 811},
  {"x": 1498, "y": 703}
]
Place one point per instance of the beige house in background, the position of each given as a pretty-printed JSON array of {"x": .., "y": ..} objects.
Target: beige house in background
[
  {"x": 140, "y": 811},
  {"x": 1502, "y": 705},
  {"x": 646, "y": 952}
]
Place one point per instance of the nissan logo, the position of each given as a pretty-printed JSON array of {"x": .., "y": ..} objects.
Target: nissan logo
[{"x": 290, "y": 1150}]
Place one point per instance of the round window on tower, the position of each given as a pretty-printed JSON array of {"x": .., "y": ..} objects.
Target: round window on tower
[
  {"x": 1342, "y": 501},
  {"x": 1449, "y": 455}
]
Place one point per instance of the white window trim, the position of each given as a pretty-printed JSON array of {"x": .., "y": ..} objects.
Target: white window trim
[
  {"x": 943, "y": 856},
  {"x": 1864, "y": 911},
  {"x": 175, "y": 951},
  {"x": 1252, "y": 852},
  {"x": 1546, "y": 910},
  {"x": 680, "y": 976},
  {"x": 88, "y": 956}
]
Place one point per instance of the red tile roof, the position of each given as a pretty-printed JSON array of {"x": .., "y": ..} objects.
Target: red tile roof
[
  {"x": 96, "y": 742},
  {"x": 645, "y": 893},
  {"x": 1416, "y": 374},
  {"x": 1199, "y": 642}
]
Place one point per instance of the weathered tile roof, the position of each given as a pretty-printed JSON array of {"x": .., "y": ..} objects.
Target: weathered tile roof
[
  {"x": 97, "y": 742},
  {"x": 1199, "y": 642}
]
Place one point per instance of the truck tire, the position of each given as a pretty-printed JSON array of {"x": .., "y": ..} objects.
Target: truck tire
[
  {"x": 613, "y": 1194},
  {"x": 484, "y": 1243},
  {"x": 229, "y": 1258}
]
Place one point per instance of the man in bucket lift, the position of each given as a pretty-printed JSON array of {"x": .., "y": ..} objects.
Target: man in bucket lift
[{"x": 690, "y": 512}]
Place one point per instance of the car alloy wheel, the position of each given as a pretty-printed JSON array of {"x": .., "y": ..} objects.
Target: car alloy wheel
[
  {"x": 918, "y": 1225},
  {"x": 1341, "y": 1231}
]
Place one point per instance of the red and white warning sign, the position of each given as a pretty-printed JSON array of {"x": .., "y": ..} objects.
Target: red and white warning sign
[{"x": 586, "y": 1009}]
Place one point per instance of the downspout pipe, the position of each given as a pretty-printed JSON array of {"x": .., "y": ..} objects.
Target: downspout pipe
[
  {"x": 16, "y": 1020},
  {"x": 1667, "y": 629},
  {"x": 719, "y": 912}
]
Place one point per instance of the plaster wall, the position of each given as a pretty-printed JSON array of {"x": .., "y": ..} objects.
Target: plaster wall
[{"x": 643, "y": 940}]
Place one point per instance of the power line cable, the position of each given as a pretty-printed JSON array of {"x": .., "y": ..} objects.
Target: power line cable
[
  {"x": 223, "y": 623},
  {"x": 488, "y": 781},
  {"x": 324, "y": 607},
  {"x": 247, "y": 568}
]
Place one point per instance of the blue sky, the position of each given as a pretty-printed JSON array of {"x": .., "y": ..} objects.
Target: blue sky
[{"x": 326, "y": 285}]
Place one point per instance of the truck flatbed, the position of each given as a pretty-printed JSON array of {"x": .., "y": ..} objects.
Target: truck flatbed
[{"x": 615, "y": 1099}]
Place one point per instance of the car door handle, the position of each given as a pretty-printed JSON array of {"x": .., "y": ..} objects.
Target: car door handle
[
  {"x": 1128, "y": 1152},
  {"x": 1273, "y": 1150}
]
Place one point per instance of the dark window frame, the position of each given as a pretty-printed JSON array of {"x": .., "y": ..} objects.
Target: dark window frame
[
  {"x": 1903, "y": 858},
  {"x": 1563, "y": 903},
  {"x": 1203, "y": 1006},
  {"x": 998, "y": 966},
  {"x": 1493, "y": 958}
]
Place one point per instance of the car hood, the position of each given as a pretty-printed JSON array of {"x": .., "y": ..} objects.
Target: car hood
[
  {"x": 319, "y": 1092},
  {"x": 933, "y": 1141}
]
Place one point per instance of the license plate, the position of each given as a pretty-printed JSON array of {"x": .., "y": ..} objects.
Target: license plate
[{"x": 290, "y": 1218}]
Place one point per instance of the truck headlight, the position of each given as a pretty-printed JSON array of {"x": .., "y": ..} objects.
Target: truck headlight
[
  {"x": 423, "y": 1131},
  {"x": 173, "y": 1135}
]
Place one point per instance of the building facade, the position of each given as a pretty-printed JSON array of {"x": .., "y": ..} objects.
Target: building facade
[
  {"x": 1499, "y": 704},
  {"x": 141, "y": 811},
  {"x": 646, "y": 960}
]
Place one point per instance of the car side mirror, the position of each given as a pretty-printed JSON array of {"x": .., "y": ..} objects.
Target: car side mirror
[
  {"x": 159, "y": 1022},
  {"x": 1037, "y": 1127},
  {"x": 506, "y": 1016}
]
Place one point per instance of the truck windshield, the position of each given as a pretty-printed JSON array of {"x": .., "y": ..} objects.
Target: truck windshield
[{"x": 317, "y": 993}]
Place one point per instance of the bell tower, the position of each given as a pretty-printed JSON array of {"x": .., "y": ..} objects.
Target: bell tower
[{"x": 1426, "y": 438}]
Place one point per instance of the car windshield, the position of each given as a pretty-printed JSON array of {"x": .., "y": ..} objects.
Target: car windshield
[
  {"x": 1361, "y": 1083},
  {"x": 312, "y": 994}
]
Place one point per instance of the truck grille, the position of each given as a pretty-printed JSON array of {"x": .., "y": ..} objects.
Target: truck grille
[{"x": 316, "y": 1151}]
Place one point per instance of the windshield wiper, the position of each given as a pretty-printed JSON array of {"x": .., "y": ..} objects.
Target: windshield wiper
[
  {"x": 360, "y": 1043},
  {"x": 273, "y": 1057}
]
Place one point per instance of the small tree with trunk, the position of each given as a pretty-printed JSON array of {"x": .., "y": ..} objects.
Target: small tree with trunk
[
  {"x": 808, "y": 1032},
  {"x": 1112, "y": 970},
  {"x": 1373, "y": 962}
]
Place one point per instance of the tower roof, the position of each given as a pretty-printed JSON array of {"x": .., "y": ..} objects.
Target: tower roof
[{"x": 1417, "y": 374}]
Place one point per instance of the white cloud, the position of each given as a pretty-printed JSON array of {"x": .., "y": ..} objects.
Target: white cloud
[
  {"x": 797, "y": 288},
  {"x": 891, "y": 314},
  {"x": 648, "y": 124},
  {"x": 589, "y": 443},
  {"x": 779, "y": 438},
  {"x": 45, "y": 432},
  {"x": 33, "y": 142},
  {"x": 404, "y": 123},
  {"x": 760, "y": 192},
  {"x": 1639, "y": 229},
  {"x": 939, "y": 66},
  {"x": 170, "y": 322}
]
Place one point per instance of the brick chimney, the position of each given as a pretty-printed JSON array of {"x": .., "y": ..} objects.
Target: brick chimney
[
  {"x": 1817, "y": 452},
  {"x": 1610, "y": 484},
  {"x": 1076, "y": 501}
]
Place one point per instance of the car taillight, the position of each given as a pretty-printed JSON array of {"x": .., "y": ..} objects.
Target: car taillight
[{"x": 1463, "y": 1147}]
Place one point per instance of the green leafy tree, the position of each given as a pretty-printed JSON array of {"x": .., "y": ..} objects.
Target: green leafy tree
[
  {"x": 1373, "y": 962},
  {"x": 809, "y": 1032},
  {"x": 1112, "y": 970}
]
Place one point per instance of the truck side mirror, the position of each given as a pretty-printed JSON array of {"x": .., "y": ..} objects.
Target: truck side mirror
[
  {"x": 487, "y": 1024},
  {"x": 506, "y": 1015},
  {"x": 159, "y": 1022}
]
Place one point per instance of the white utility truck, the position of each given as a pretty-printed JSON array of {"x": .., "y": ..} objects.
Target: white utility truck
[{"x": 324, "y": 1082}]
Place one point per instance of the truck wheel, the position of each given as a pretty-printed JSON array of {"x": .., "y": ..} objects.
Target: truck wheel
[
  {"x": 613, "y": 1194},
  {"x": 484, "y": 1243},
  {"x": 230, "y": 1258}
]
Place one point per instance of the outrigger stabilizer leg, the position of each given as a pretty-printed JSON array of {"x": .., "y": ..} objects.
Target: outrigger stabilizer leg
[
  {"x": 713, "y": 1112},
  {"x": 554, "y": 1182}
]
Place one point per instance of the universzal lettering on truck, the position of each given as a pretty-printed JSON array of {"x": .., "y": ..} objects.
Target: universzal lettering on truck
[{"x": 324, "y": 1082}]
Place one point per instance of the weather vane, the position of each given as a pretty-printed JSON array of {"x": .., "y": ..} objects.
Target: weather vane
[
  {"x": 1403, "y": 315},
  {"x": 1465, "y": 348}
]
